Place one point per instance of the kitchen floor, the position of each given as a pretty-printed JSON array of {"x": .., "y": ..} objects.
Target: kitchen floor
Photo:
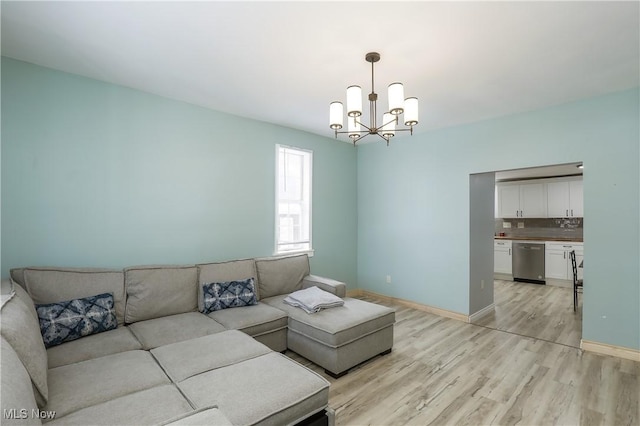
[{"x": 541, "y": 311}]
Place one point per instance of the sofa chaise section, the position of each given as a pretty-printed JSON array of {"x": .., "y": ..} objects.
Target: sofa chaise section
[
  {"x": 340, "y": 338},
  {"x": 336, "y": 339},
  {"x": 253, "y": 384},
  {"x": 269, "y": 390}
]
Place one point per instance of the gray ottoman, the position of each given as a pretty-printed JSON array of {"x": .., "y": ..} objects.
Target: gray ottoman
[{"x": 338, "y": 339}]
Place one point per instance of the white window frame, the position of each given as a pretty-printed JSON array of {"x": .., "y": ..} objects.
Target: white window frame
[{"x": 277, "y": 250}]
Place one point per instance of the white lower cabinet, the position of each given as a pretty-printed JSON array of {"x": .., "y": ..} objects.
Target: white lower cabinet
[
  {"x": 502, "y": 257},
  {"x": 557, "y": 261}
]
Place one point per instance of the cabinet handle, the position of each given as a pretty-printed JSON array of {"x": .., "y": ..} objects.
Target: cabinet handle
[
  {"x": 564, "y": 254},
  {"x": 571, "y": 212},
  {"x": 509, "y": 252},
  {"x": 567, "y": 214},
  {"x": 517, "y": 213}
]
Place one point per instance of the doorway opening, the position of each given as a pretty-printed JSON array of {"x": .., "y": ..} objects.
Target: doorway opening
[{"x": 536, "y": 208}]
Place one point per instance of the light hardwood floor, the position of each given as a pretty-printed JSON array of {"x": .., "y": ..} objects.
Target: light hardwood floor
[
  {"x": 541, "y": 311},
  {"x": 443, "y": 371}
]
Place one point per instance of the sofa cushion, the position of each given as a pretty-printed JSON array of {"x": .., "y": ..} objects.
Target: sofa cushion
[
  {"x": 253, "y": 320},
  {"x": 173, "y": 328},
  {"x": 24, "y": 296},
  {"x": 337, "y": 326},
  {"x": 207, "y": 353},
  {"x": 281, "y": 275},
  {"x": 276, "y": 390},
  {"x": 204, "y": 417},
  {"x": 230, "y": 294},
  {"x": 72, "y": 319},
  {"x": 147, "y": 407},
  {"x": 84, "y": 384},
  {"x": 17, "y": 391},
  {"x": 226, "y": 271},
  {"x": 95, "y": 346},
  {"x": 51, "y": 285},
  {"x": 158, "y": 291},
  {"x": 22, "y": 332}
]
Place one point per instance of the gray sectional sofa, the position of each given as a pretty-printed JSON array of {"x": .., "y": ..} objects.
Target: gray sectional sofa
[{"x": 168, "y": 363}]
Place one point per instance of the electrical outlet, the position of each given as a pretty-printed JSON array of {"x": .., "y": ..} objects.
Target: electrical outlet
[
  {"x": 520, "y": 225},
  {"x": 506, "y": 225},
  {"x": 388, "y": 279},
  {"x": 482, "y": 285}
]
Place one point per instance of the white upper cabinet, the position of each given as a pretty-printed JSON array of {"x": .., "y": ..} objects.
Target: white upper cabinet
[
  {"x": 533, "y": 200},
  {"x": 509, "y": 200},
  {"x": 576, "y": 198},
  {"x": 565, "y": 198},
  {"x": 555, "y": 197},
  {"x": 522, "y": 200}
]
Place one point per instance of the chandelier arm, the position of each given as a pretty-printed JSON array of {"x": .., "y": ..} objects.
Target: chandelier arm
[
  {"x": 344, "y": 132},
  {"x": 385, "y": 139},
  {"x": 369, "y": 129}
]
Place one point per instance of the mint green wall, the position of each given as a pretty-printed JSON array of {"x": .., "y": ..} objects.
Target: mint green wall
[
  {"x": 413, "y": 205},
  {"x": 100, "y": 175},
  {"x": 95, "y": 174}
]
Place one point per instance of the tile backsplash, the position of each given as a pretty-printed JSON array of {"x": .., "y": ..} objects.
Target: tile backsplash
[{"x": 556, "y": 228}]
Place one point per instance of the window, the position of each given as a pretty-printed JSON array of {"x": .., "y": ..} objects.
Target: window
[{"x": 293, "y": 199}]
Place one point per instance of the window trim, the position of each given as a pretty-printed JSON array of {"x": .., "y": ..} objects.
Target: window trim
[{"x": 310, "y": 251}]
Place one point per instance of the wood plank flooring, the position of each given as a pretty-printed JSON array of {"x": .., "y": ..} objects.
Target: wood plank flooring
[
  {"x": 443, "y": 371},
  {"x": 540, "y": 311}
]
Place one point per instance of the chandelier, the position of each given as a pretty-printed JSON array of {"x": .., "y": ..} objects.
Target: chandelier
[{"x": 387, "y": 129}]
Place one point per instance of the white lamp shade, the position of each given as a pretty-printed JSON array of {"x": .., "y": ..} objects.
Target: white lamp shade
[
  {"x": 354, "y": 101},
  {"x": 336, "y": 112},
  {"x": 396, "y": 98},
  {"x": 354, "y": 128},
  {"x": 411, "y": 111},
  {"x": 389, "y": 125}
]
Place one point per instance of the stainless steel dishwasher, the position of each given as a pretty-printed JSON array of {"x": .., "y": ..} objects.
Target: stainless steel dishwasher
[{"x": 528, "y": 262}]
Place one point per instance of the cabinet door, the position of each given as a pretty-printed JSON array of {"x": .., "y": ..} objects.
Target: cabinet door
[
  {"x": 558, "y": 199},
  {"x": 502, "y": 260},
  {"x": 533, "y": 201},
  {"x": 576, "y": 198},
  {"x": 555, "y": 264},
  {"x": 509, "y": 200}
]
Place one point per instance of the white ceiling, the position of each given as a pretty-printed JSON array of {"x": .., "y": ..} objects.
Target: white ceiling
[{"x": 285, "y": 62}]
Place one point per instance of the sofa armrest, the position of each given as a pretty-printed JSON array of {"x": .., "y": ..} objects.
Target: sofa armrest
[{"x": 327, "y": 284}]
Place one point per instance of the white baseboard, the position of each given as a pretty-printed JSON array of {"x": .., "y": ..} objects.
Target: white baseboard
[
  {"x": 504, "y": 277},
  {"x": 482, "y": 313},
  {"x": 612, "y": 350},
  {"x": 411, "y": 304}
]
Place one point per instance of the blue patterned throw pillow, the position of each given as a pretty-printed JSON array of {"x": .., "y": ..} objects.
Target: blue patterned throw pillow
[
  {"x": 72, "y": 319},
  {"x": 231, "y": 294}
]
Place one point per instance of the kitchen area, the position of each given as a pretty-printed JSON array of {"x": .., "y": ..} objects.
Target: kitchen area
[{"x": 538, "y": 222}]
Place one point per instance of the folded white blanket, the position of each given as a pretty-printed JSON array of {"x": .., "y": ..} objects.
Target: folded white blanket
[{"x": 313, "y": 300}]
